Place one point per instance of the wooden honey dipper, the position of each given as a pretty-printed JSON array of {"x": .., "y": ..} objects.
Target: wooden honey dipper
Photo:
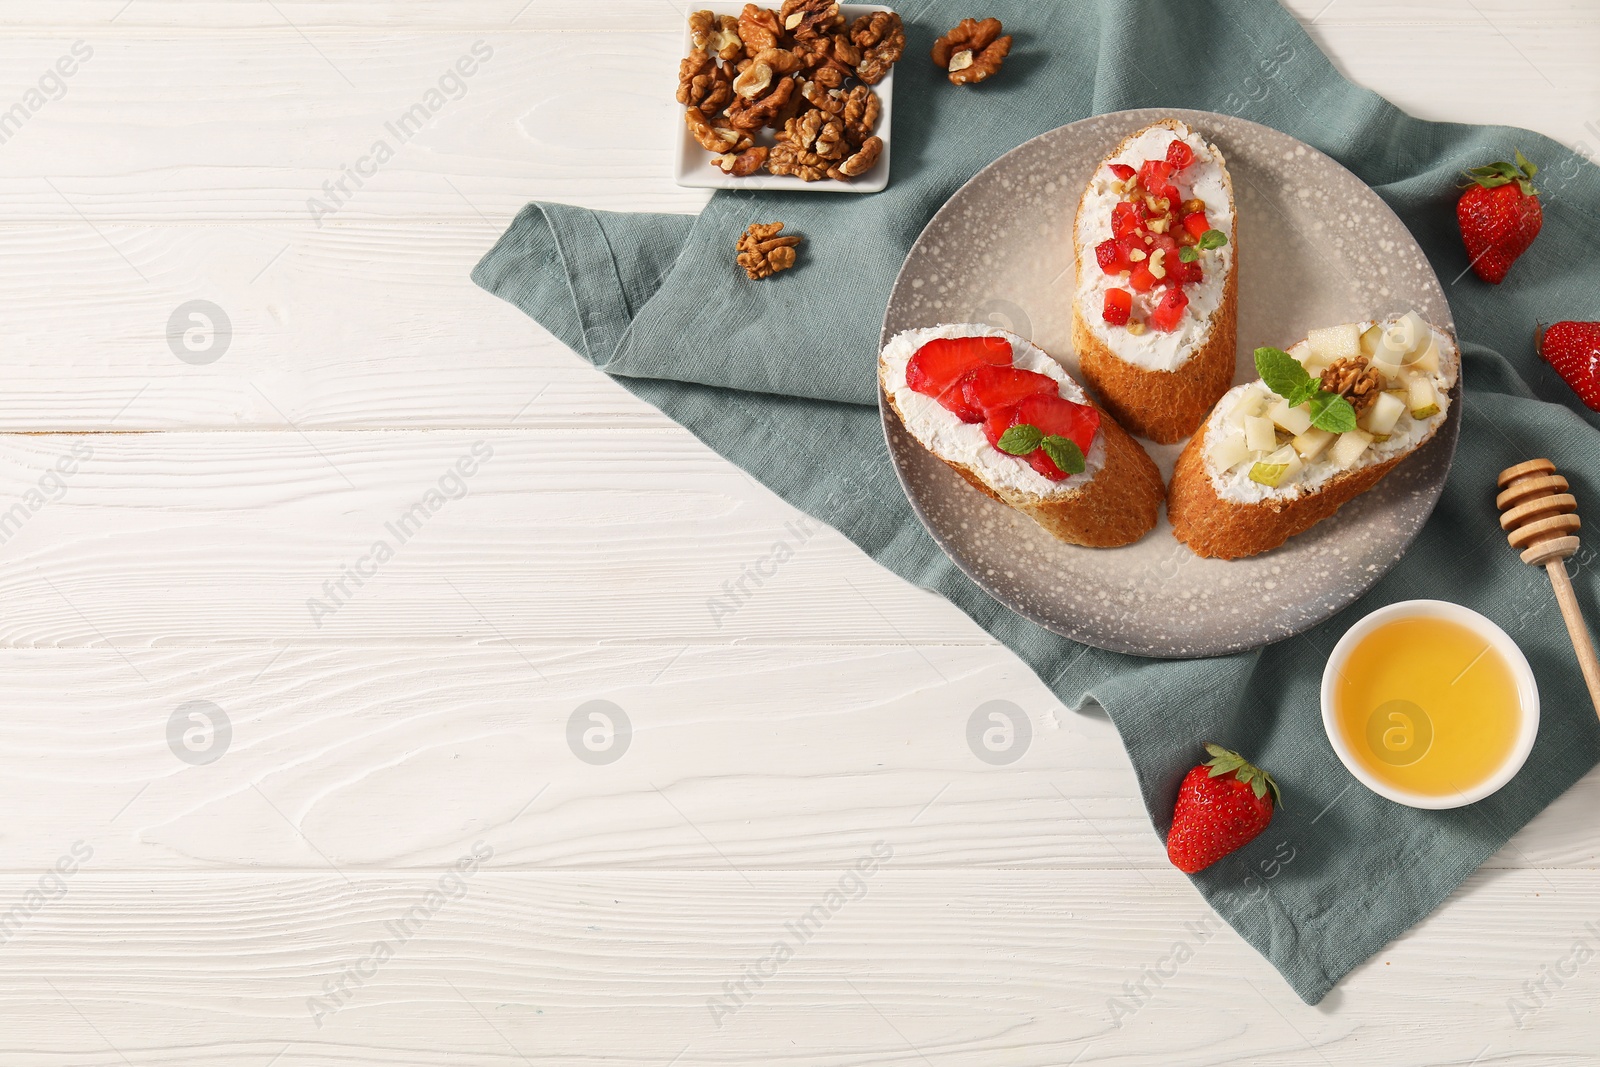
[{"x": 1541, "y": 519}]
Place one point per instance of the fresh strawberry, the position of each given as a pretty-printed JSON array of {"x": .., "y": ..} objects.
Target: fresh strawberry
[
  {"x": 1222, "y": 806},
  {"x": 991, "y": 389},
  {"x": 1058, "y": 416},
  {"x": 1179, "y": 155},
  {"x": 997, "y": 423},
  {"x": 1140, "y": 278},
  {"x": 1154, "y": 174},
  {"x": 1196, "y": 225},
  {"x": 1168, "y": 312},
  {"x": 1122, "y": 171},
  {"x": 1111, "y": 256},
  {"x": 1119, "y": 306},
  {"x": 1573, "y": 349},
  {"x": 1499, "y": 215},
  {"x": 940, "y": 365},
  {"x": 1124, "y": 219}
]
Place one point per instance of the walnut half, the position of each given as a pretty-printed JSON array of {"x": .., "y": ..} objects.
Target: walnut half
[
  {"x": 973, "y": 51},
  {"x": 762, "y": 253}
]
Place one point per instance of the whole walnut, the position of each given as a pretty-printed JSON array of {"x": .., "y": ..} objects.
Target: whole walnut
[
  {"x": 791, "y": 159},
  {"x": 881, "y": 36},
  {"x": 703, "y": 84},
  {"x": 760, "y": 29},
  {"x": 811, "y": 18},
  {"x": 973, "y": 51}
]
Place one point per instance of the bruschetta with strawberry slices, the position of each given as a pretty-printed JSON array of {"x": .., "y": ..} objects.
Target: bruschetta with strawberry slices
[{"x": 1009, "y": 419}]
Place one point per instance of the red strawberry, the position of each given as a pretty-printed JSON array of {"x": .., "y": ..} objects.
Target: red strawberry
[
  {"x": 1154, "y": 174},
  {"x": 1222, "y": 806},
  {"x": 991, "y": 389},
  {"x": 940, "y": 365},
  {"x": 1573, "y": 349},
  {"x": 1179, "y": 155},
  {"x": 1500, "y": 216},
  {"x": 1055, "y": 415},
  {"x": 1140, "y": 278},
  {"x": 1124, "y": 219},
  {"x": 1110, "y": 256},
  {"x": 1119, "y": 307},
  {"x": 1195, "y": 222},
  {"x": 1122, "y": 171},
  {"x": 1168, "y": 313}
]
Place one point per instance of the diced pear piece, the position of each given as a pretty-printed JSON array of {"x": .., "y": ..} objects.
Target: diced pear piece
[
  {"x": 1383, "y": 414},
  {"x": 1312, "y": 443},
  {"x": 1295, "y": 420},
  {"x": 1335, "y": 342},
  {"x": 1249, "y": 404},
  {"x": 1259, "y": 435},
  {"x": 1349, "y": 448},
  {"x": 1427, "y": 360},
  {"x": 1424, "y": 401},
  {"x": 1287, "y": 458},
  {"x": 1269, "y": 474},
  {"x": 1369, "y": 340},
  {"x": 1415, "y": 330},
  {"x": 1230, "y": 451}
]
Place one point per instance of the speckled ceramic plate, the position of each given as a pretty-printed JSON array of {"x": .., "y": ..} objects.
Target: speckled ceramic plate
[{"x": 1316, "y": 247}]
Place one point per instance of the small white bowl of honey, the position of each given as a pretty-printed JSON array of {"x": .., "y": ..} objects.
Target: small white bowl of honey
[{"x": 1430, "y": 704}]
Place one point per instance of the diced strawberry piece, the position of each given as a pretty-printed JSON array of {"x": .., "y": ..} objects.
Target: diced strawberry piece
[
  {"x": 1179, "y": 155},
  {"x": 1168, "y": 311},
  {"x": 1171, "y": 194},
  {"x": 1124, "y": 219},
  {"x": 1166, "y": 243},
  {"x": 1111, "y": 256},
  {"x": 1122, "y": 171},
  {"x": 938, "y": 368},
  {"x": 1196, "y": 224},
  {"x": 991, "y": 389},
  {"x": 1140, "y": 278},
  {"x": 1181, "y": 273},
  {"x": 1154, "y": 174},
  {"x": 1119, "y": 305}
]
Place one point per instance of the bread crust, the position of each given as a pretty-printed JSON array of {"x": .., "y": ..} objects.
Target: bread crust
[
  {"x": 1165, "y": 406},
  {"x": 1226, "y": 529},
  {"x": 1118, "y": 506}
]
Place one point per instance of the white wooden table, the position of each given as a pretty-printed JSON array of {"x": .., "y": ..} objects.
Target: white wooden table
[{"x": 291, "y": 900}]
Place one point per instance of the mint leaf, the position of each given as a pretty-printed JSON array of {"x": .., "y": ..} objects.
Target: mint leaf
[
  {"x": 1064, "y": 453},
  {"x": 1187, "y": 254},
  {"x": 1213, "y": 239},
  {"x": 1281, "y": 372},
  {"x": 1306, "y": 390},
  {"x": 1021, "y": 439},
  {"x": 1332, "y": 412}
]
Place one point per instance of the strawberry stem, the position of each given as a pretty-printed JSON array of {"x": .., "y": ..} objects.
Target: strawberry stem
[
  {"x": 1501, "y": 173},
  {"x": 1224, "y": 761}
]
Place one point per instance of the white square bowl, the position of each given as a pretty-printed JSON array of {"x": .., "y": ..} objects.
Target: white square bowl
[{"x": 695, "y": 170}]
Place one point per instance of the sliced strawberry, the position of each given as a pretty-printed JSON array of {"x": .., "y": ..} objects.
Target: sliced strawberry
[
  {"x": 999, "y": 421},
  {"x": 1180, "y": 155},
  {"x": 1119, "y": 305},
  {"x": 1124, "y": 219},
  {"x": 1111, "y": 256},
  {"x": 1122, "y": 171},
  {"x": 1168, "y": 311},
  {"x": 1057, "y": 416},
  {"x": 991, "y": 389},
  {"x": 1140, "y": 278},
  {"x": 1196, "y": 224},
  {"x": 940, "y": 365}
]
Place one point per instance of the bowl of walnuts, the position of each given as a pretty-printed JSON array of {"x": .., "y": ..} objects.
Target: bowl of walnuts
[{"x": 794, "y": 97}]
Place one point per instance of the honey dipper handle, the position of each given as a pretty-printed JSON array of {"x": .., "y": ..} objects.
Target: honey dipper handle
[{"x": 1577, "y": 629}]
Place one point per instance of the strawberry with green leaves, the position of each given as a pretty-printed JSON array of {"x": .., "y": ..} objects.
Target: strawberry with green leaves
[
  {"x": 1223, "y": 805},
  {"x": 1499, "y": 215}
]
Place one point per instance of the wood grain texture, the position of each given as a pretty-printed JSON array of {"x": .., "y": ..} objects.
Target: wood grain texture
[
  {"x": 570, "y": 968},
  {"x": 430, "y": 712}
]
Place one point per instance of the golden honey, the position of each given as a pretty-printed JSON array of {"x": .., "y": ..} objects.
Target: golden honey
[{"x": 1428, "y": 706}]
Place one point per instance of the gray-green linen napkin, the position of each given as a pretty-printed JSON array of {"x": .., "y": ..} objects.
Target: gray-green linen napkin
[{"x": 779, "y": 377}]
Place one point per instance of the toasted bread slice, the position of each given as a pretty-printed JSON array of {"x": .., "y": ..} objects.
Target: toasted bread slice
[
  {"x": 1229, "y": 500},
  {"x": 1159, "y": 384},
  {"x": 1114, "y": 501}
]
